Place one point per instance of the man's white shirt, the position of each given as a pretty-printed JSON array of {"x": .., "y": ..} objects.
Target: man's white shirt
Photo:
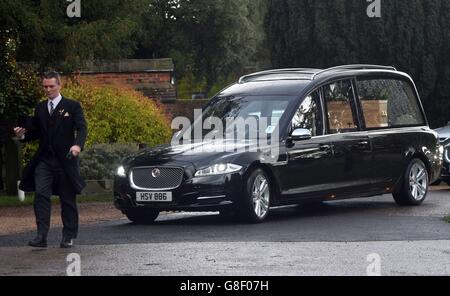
[{"x": 55, "y": 102}]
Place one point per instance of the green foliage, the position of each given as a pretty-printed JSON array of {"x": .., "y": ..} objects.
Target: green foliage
[
  {"x": 116, "y": 115},
  {"x": 28, "y": 151},
  {"x": 189, "y": 85},
  {"x": 18, "y": 84},
  {"x": 100, "y": 161},
  {"x": 207, "y": 39},
  {"x": 106, "y": 30}
]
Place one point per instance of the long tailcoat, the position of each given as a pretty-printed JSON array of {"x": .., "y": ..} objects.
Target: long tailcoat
[{"x": 65, "y": 128}]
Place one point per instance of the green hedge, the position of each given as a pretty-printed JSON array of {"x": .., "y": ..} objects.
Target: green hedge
[
  {"x": 119, "y": 115},
  {"x": 100, "y": 161}
]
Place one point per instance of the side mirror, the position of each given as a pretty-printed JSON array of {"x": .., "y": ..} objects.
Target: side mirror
[{"x": 301, "y": 134}]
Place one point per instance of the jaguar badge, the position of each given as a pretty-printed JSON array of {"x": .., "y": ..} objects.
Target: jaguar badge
[{"x": 156, "y": 173}]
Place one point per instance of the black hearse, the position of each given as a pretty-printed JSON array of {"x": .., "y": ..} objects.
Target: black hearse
[{"x": 344, "y": 132}]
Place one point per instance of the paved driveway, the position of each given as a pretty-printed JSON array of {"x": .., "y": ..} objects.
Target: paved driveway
[{"x": 338, "y": 238}]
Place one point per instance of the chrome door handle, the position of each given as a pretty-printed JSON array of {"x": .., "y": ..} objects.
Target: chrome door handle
[{"x": 363, "y": 143}]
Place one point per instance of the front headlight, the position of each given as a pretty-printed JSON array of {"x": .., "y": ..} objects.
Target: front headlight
[
  {"x": 218, "y": 169},
  {"x": 121, "y": 172}
]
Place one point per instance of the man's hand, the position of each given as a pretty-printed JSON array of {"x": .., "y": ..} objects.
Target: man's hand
[
  {"x": 75, "y": 150},
  {"x": 20, "y": 132}
]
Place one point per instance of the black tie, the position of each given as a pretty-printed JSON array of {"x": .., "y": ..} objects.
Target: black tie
[{"x": 51, "y": 108}]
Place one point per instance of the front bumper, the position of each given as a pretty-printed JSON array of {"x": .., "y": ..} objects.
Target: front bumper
[{"x": 194, "y": 194}]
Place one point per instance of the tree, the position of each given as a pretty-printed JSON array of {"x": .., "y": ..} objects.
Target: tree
[
  {"x": 48, "y": 37},
  {"x": 18, "y": 85},
  {"x": 210, "y": 39}
]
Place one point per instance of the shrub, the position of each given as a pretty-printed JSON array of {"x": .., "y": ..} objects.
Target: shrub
[
  {"x": 119, "y": 115},
  {"x": 100, "y": 161}
]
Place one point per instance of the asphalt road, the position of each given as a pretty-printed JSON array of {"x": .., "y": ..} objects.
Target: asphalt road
[{"x": 348, "y": 237}]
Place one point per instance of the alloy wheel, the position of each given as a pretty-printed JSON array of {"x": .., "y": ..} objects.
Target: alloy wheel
[
  {"x": 261, "y": 195},
  {"x": 418, "y": 181}
]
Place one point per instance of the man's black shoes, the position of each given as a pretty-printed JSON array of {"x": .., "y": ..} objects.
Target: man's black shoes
[
  {"x": 66, "y": 243},
  {"x": 41, "y": 242},
  {"x": 38, "y": 242}
]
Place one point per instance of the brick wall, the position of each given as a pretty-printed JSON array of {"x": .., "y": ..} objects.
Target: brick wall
[
  {"x": 155, "y": 85},
  {"x": 183, "y": 108},
  {"x": 152, "y": 77}
]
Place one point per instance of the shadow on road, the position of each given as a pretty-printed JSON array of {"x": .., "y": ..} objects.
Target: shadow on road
[
  {"x": 288, "y": 213},
  {"x": 374, "y": 219}
]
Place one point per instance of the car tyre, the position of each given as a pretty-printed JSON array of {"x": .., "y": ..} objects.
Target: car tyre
[
  {"x": 142, "y": 216},
  {"x": 413, "y": 188},
  {"x": 255, "y": 206}
]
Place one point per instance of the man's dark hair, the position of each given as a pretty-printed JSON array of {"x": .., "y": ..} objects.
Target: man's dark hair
[{"x": 51, "y": 75}]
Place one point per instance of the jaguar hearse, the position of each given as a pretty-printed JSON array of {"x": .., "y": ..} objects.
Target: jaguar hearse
[{"x": 345, "y": 132}]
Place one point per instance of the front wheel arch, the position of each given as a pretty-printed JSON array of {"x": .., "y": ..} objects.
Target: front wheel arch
[
  {"x": 274, "y": 182},
  {"x": 418, "y": 155},
  {"x": 245, "y": 207}
]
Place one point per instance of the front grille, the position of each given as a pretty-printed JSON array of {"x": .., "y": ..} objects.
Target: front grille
[{"x": 169, "y": 178}]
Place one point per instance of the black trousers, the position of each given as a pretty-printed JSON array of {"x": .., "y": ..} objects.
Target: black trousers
[{"x": 49, "y": 175}]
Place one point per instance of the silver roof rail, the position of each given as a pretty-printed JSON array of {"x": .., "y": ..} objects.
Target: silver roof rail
[
  {"x": 309, "y": 71},
  {"x": 354, "y": 67}
]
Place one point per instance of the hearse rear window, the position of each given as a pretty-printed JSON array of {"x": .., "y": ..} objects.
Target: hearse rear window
[{"x": 389, "y": 103}]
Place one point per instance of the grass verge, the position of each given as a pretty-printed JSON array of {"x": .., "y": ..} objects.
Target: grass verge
[
  {"x": 13, "y": 201},
  {"x": 447, "y": 219}
]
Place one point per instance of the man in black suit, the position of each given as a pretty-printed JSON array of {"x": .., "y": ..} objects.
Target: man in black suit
[{"x": 60, "y": 127}]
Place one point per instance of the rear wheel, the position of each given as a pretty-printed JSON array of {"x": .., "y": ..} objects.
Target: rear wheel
[
  {"x": 142, "y": 216},
  {"x": 414, "y": 187},
  {"x": 257, "y": 193}
]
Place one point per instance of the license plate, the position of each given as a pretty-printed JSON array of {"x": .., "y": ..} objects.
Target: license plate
[{"x": 154, "y": 196}]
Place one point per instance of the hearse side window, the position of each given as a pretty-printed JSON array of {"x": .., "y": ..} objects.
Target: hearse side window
[
  {"x": 339, "y": 99},
  {"x": 389, "y": 103},
  {"x": 308, "y": 115}
]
